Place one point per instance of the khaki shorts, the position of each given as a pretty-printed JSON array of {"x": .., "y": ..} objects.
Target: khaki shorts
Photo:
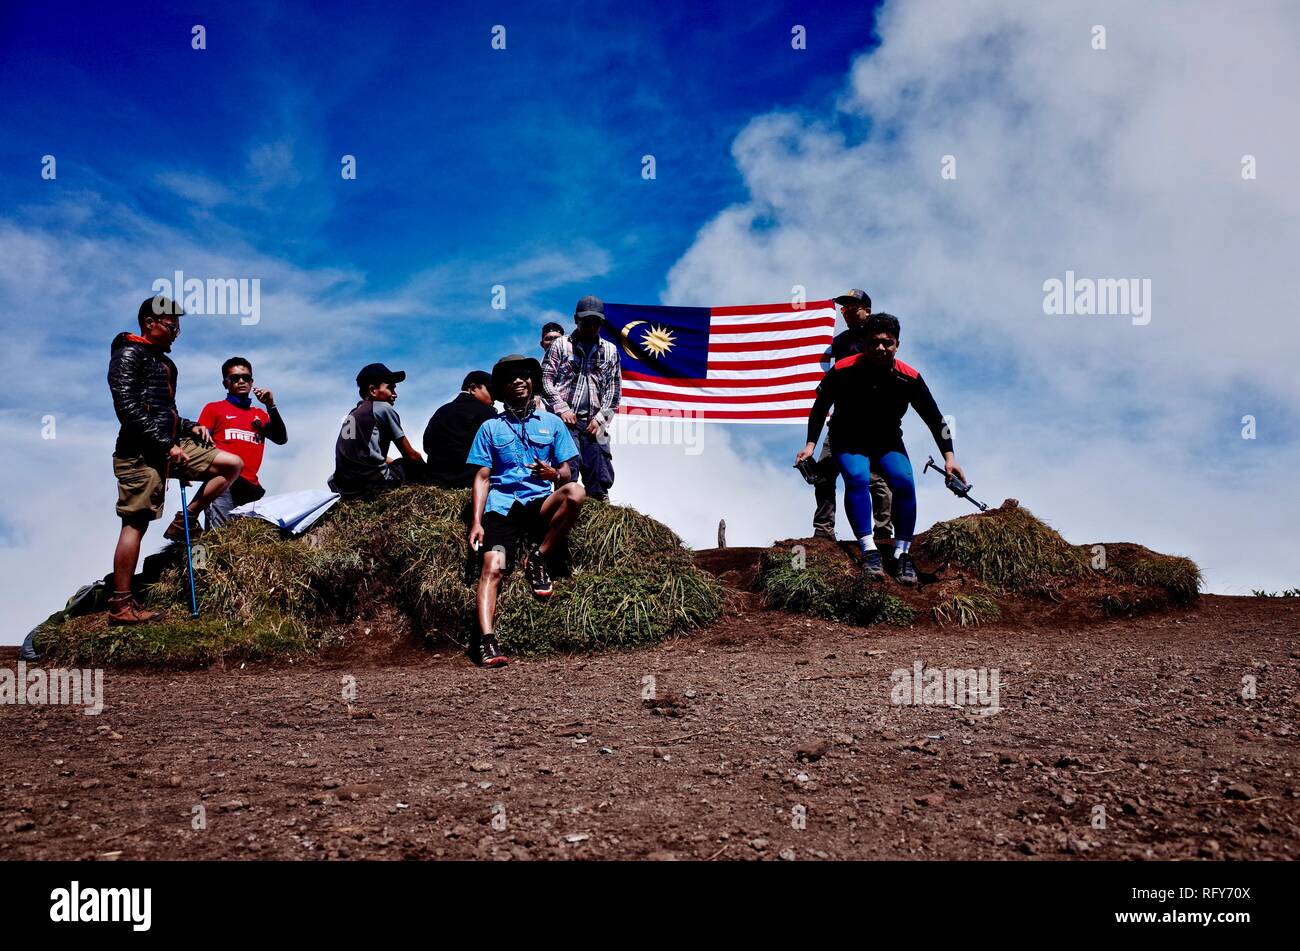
[{"x": 140, "y": 485}]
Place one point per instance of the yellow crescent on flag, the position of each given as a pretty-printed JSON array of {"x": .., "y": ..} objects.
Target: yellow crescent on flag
[{"x": 623, "y": 333}]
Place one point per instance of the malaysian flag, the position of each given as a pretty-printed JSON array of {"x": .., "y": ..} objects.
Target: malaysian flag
[{"x": 758, "y": 363}]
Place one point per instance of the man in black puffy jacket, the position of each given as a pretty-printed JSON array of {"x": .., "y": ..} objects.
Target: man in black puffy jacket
[{"x": 154, "y": 444}]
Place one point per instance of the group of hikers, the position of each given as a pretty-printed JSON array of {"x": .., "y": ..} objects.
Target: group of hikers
[{"x": 530, "y": 467}]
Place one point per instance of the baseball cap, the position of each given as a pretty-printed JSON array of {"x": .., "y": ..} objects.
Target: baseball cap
[
  {"x": 590, "y": 306},
  {"x": 378, "y": 373},
  {"x": 854, "y": 296}
]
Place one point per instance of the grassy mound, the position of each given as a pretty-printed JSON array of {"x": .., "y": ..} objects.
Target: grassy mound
[
  {"x": 400, "y": 561},
  {"x": 1007, "y": 548},
  {"x": 1001, "y": 565},
  {"x": 1178, "y": 577},
  {"x": 825, "y": 584},
  {"x": 1010, "y": 550}
]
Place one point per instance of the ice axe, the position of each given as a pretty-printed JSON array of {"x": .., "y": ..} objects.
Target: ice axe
[
  {"x": 189, "y": 559},
  {"x": 954, "y": 484}
]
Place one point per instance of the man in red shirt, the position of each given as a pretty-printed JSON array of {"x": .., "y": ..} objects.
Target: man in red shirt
[{"x": 239, "y": 427}]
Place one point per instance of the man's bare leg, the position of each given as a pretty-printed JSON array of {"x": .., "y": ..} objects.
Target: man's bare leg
[
  {"x": 226, "y": 468},
  {"x": 560, "y": 510},
  {"x": 483, "y": 648},
  {"x": 122, "y": 607},
  {"x": 127, "y": 554},
  {"x": 489, "y": 580}
]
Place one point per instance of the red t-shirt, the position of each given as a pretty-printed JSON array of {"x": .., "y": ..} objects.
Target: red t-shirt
[{"x": 233, "y": 430}]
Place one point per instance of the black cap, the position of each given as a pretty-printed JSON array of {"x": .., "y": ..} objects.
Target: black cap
[
  {"x": 373, "y": 373},
  {"x": 854, "y": 296},
  {"x": 477, "y": 378},
  {"x": 590, "y": 306},
  {"x": 505, "y": 369}
]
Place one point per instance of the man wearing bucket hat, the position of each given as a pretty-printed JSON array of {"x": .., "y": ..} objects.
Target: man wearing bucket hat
[
  {"x": 582, "y": 381},
  {"x": 855, "y": 305},
  {"x": 361, "y": 464},
  {"x": 523, "y": 499}
]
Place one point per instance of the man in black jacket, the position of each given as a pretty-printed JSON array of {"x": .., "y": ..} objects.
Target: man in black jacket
[
  {"x": 154, "y": 444},
  {"x": 871, "y": 392},
  {"x": 452, "y": 429}
]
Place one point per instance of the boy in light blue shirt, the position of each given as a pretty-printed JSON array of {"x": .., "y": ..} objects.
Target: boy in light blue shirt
[{"x": 522, "y": 495}]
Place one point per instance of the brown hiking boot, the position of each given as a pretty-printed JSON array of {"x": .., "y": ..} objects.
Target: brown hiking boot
[
  {"x": 176, "y": 530},
  {"x": 129, "y": 611}
]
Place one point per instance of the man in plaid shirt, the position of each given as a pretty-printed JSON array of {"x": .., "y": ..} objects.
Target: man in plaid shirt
[{"x": 582, "y": 379}]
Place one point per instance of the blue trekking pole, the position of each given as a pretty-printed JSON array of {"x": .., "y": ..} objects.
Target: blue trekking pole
[{"x": 189, "y": 560}]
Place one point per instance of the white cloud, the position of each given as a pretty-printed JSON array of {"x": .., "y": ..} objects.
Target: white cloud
[
  {"x": 1122, "y": 162},
  {"x": 198, "y": 189}
]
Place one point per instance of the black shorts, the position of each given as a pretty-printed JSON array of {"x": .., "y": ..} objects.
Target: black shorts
[{"x": 522, "y": 525}]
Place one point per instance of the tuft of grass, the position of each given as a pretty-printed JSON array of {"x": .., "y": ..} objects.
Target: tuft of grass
[
  {"x": 1007, "y": 549},
  {"x": 625, "y": 606},
  {"x": 263, "y": 595},
  {"x": 827, "y": 587},
  {"x": 966, "y": 610},
  {"x": 1285, "y": 593},
  {"x": 1180, "y": 577}
]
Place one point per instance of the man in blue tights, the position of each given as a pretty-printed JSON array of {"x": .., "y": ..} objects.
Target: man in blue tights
[{"x": 871, "y": 391}]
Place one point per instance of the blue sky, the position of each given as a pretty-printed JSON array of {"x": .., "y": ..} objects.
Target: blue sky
[
  {"x": 775, "y": 167},
  {"x": 465, "y": 153}
]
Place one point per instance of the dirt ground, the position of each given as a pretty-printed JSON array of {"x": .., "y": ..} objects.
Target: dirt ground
[{"x": 565, "y": 758}]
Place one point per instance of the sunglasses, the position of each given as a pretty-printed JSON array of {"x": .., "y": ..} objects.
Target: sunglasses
[{"x": 240, "y": 378}]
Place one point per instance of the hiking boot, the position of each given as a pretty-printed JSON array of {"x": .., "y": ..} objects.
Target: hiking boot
[
  {"x": 824, "y": 533},
  {"x": 129, "y": 611},
  {"x": 906, "y": 570},
  {"x": 176, "y": 530},
  {"x": 871, "y": 565},
  {"x": 538, "y": 578}
]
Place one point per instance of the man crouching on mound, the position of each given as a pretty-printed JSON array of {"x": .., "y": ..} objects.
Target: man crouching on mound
[{"x": 523, "y": 454}]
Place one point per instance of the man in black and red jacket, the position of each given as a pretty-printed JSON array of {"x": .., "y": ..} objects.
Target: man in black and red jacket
[
  {"x": 154, "y": 444},
  {"x": 871, "y": 390}
]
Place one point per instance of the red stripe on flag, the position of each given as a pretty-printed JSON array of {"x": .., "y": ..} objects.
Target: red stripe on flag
[
  {"x": 749, "y": 345},
  {"x": 814, "y": 377},
  {"x": 772, "y": 363},
  {"x": 772, "y": 326},
  {"x": 791, "y": 414},
  {"x": 729, "y": 398},
  {"x": 747, "y": 309}
]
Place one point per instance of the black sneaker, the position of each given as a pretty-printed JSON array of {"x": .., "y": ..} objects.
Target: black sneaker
[
  {"x": 537, "y": 575},
  {"x": 484, "y": 651},
  {"x": 906, "y": 570},
  {"x": 491, "y": 653},
  {"x": 871, "y": 565}
]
